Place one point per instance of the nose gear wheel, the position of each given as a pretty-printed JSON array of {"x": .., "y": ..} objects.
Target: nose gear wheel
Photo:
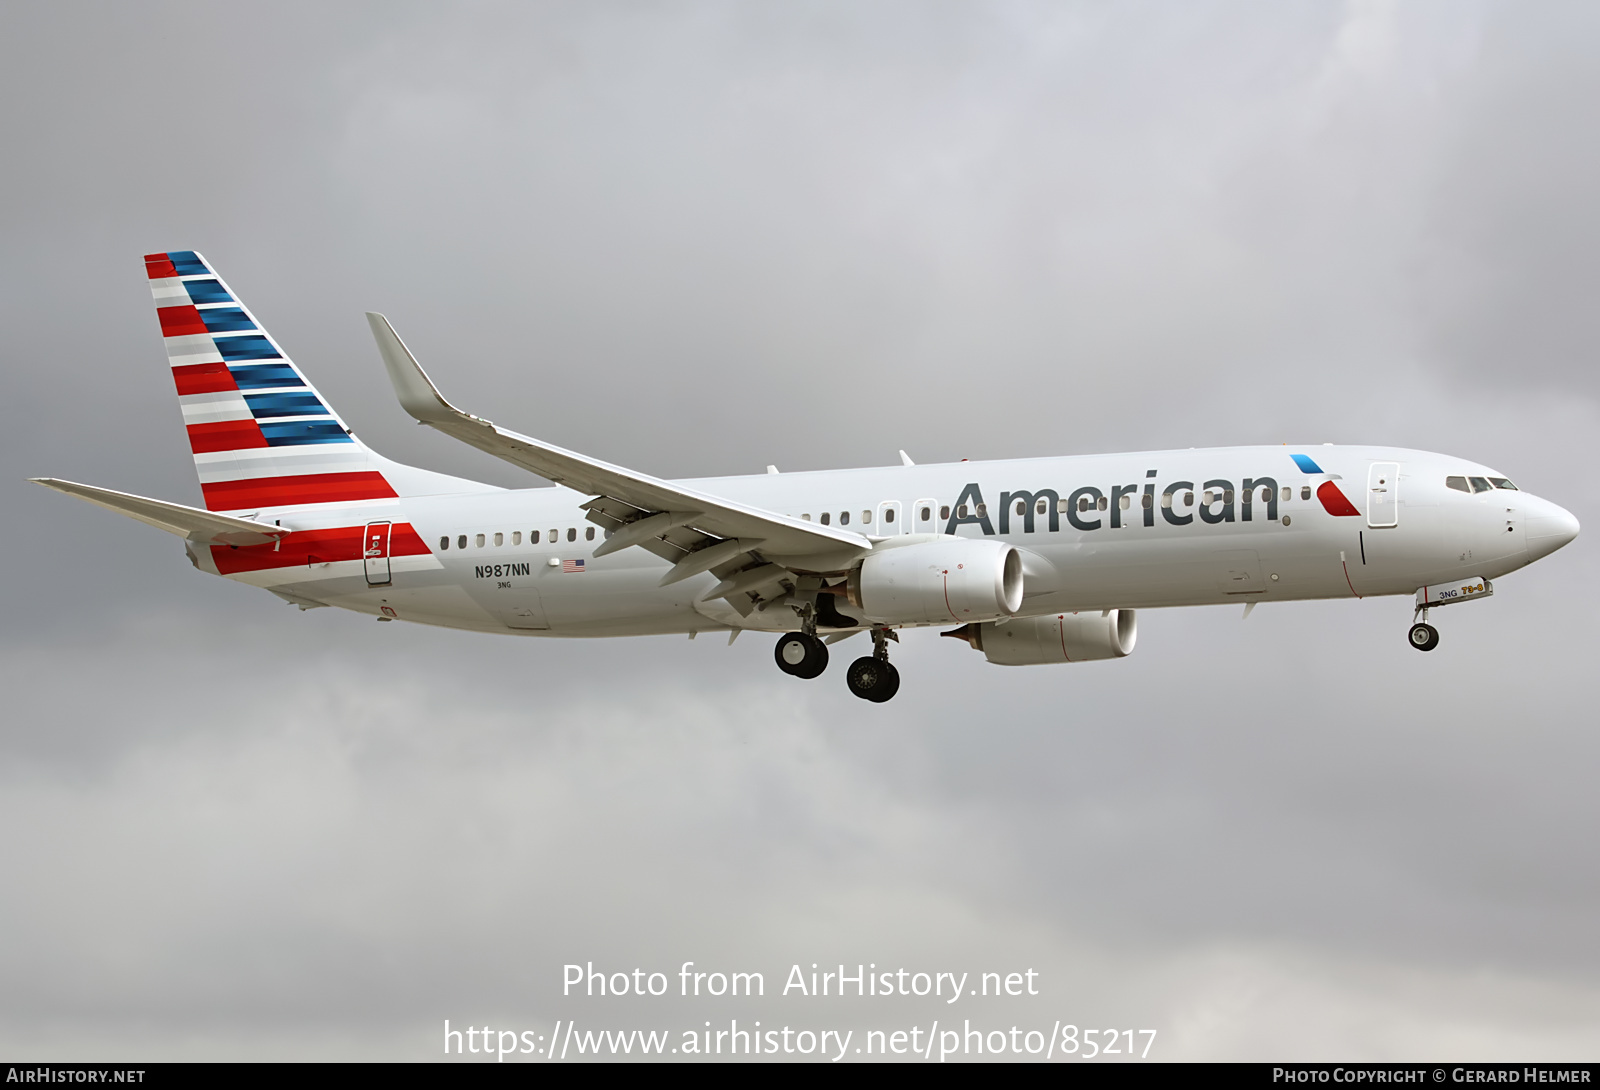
[{"x": 1423, "y": 636}]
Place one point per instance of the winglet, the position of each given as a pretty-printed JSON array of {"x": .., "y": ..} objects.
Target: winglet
[{"x": 417, "y": 393}]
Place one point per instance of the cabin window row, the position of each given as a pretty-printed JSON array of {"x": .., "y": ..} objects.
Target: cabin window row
[
  {"x": 534, "y": 537},
  {"x": 926, "y": 513},
  {"x": 826, "y": 518},
  {"x": 1125, "y": 502},
  {"x": 1085, "y": 505}
]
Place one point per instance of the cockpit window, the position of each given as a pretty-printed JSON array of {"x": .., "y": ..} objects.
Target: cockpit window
[
  {"x": 1501, "y": 482},
  {"x": 1458, "y": 483},
  {"x": 1479, "y": 484}
]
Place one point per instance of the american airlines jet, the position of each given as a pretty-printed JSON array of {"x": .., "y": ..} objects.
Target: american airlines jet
[{"x": 1031, "y": 561}]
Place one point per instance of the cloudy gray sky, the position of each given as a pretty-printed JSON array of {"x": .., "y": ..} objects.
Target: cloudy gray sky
[{"x": 696, "y": 238}]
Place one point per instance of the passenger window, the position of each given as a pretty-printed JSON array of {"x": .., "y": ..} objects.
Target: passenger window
[
  {"x": 499, "y": 540},
  {"x": 926, "y": 514},
  {"x": 444, "y": 543},
  {"x": 1501, "y": 482},
  {"x": 461, "y": 542},
  {"x": 1210, "y": 499},
  {"x": 888, "y": 515},
  {"x": 1083, "y": 504},
  {"x": 516, "y": 537},
  {"x": 944, "y": 512},
  {"x": 1479, "y": 484},
  {"x": 572, "y": 533},
  {"x": 866, "y": 518},
  {"x": 1124, "y": 503},
  {"x": 588, "y": 534},
  {"x": 1266, "y": 495},
  {"x": 479, "y": 541},
  {"x": 1227, "y": 495},
  {"x": 533, "y": 537},
  {"x": 961, "y": 512},
  {"x": 555, "y": 536},
  {"x": 1305, "y": 492},
  {"x": 805, "y": 518},
  {"x": 1100, "y": 503},
  {"x": 844, "y": 518},
  {"x": 1188, "y": 499},
  {"x": 1022, "y": 509},
  {"x": 1166, "y": 500},
  {"x": 1062, "y": 507},
  {"x": 825, "y": 518},
  {"x": 1149, "y": 501},
  {"x": 1039, "y": 508},
  {"x": 1288, "y": 493},
  {"x": 983, "y": 510}
]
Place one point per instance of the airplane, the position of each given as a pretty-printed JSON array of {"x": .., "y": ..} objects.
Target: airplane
[{"x": 1034, "y": 561}]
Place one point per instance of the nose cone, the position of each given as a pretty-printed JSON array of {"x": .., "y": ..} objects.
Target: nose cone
[{"x": 1549, "y": 528}]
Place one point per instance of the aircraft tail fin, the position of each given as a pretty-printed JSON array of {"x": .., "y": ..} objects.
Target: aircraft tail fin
[{"x": 261, "y": 434}]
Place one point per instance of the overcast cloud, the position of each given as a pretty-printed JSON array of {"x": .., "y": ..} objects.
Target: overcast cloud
[{"x": 696, "y": 238}]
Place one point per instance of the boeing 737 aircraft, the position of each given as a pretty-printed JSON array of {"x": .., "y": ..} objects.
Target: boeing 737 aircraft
[{"x": 1040, "y": 560}]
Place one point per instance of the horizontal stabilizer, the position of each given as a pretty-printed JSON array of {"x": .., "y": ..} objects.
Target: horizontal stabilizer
[{"x": 187, "y": 522}]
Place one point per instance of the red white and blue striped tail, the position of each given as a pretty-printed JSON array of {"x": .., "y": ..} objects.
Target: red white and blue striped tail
[{"x": 261, "y": 434}]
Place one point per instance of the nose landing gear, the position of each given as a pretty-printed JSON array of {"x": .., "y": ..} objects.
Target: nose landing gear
[
  {"x": 1423, "y": 636},
  {"x": 872, "y": 677}
]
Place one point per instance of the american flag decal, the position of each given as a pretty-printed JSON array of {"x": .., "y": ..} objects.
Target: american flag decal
[{"x": 572, "y": 565}]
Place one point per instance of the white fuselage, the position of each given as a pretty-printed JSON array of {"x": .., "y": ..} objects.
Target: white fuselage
[{"x": 1098, "y": 532}]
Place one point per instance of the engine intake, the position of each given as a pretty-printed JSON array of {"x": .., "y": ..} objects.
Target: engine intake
[
  {"x": 1059, "y": 637},
  {"x": 936, "y": 582}
]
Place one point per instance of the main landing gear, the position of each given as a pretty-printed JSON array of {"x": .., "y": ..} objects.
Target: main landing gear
[
  {"x": 1423, "y": 636},
  {"x": 801, "y": 654},
  {"x": 871, "y": 677}
]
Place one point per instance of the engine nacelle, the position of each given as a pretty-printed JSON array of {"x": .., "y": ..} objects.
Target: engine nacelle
[
  {"x": 1058, "y": 637},
  {"x": 936, "y": 582}
]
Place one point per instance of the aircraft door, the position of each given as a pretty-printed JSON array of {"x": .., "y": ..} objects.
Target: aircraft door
[
  {"x": 1383, "y": 495},
  {"x": 375, "y": 553},
  {"x": 889, "y": 520},
  {"x": 925, "y": 517}
]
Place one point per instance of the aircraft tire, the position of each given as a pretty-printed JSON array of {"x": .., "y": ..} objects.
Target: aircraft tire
[
  {"x": 800, "y": 655},
  {"x": 873, "y": 679},
  {"x": 1424, "y": 637},
  {"x": 888, "y": 686}
]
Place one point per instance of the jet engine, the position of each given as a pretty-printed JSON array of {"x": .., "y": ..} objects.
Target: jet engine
[
  {"x": 1057, "y": 637},
  {"x": 936, "y": 582}
]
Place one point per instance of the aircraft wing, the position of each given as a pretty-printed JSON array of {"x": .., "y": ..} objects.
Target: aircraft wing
[
  {"x": 647, "y": 497},
  {"x": 187, "y": 522}
]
